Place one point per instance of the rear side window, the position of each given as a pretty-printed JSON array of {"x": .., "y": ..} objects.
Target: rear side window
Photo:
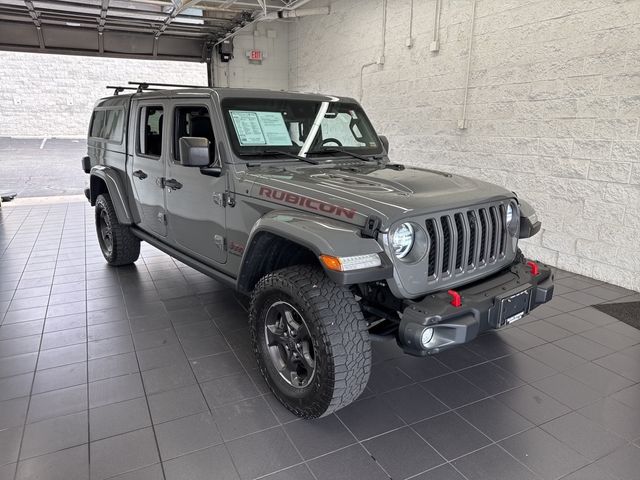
[
  {"x": 108, "y": 124},
  {"x": 150, "y": 131}
]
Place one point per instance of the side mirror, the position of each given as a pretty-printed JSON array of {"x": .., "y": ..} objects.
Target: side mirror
[
  {"x": 385, "y": 142},
  {"x": 194, "y": 152}
]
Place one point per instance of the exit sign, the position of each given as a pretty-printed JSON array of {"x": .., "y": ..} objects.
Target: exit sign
[{"x": 255, "y": 55}]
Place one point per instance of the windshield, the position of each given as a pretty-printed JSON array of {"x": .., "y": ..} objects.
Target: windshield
[{"x": 259, "y": 127}]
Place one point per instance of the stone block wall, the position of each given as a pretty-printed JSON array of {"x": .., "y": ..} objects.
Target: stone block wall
[{"x": 43, "y": 95}]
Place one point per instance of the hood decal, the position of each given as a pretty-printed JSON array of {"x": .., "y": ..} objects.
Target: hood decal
[
  {"x": 306, "y": 202},
  {"x": 360, "y": 183}
]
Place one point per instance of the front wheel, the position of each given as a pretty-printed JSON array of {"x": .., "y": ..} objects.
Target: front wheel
[
  {"x": 310, "y": 340},
  {"x": 119, "y": 246}
]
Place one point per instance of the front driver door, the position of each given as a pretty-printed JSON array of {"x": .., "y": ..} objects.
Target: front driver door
[
  {"x": 148, "y": 168},
  {"x": 195, "y": 209}
]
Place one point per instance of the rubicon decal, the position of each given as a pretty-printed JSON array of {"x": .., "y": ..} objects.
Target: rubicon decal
[{"x": 306, "y": 202}]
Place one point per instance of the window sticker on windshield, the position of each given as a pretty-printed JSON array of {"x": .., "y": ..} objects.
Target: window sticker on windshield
[
  {"x": 260, "y": 128},
  {"x": 247, "y": 128},
  {"x": 274, "y": 128}
]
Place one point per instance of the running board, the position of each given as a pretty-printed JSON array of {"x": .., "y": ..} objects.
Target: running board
[{"x": 177, "y": 254}]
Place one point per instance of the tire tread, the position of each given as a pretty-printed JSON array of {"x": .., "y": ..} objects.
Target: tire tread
[
  {"x": 126, "y": 246},
  {"x": 344, "y": 328}
]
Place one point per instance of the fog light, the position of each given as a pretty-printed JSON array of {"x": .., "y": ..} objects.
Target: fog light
[{"x": 426, "y": 337}]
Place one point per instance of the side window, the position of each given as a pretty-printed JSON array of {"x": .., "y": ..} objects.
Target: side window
[
  {"x": 150, "y": 131},
  {"x": 191, "y": 121},
  {"x": 97, "y": 123},
  {"x": 108, "y": 124},
  {"x": 113, "y": 125}
]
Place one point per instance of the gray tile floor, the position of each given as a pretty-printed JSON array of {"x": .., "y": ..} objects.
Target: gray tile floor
[{"x": 146, "y": 373}]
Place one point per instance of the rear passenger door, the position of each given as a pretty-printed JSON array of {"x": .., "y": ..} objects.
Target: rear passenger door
[{"x": 149, "y": 163}]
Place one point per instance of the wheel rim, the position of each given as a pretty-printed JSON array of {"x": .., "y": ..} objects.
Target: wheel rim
[
  {"x": 106, "y": 238},
  {"x": 289, "y": 344}
]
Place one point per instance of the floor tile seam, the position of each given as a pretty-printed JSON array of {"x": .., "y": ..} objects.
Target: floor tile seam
[
  {"x": 117, "y": 475},
  {"x": 260, "y": 477},
  {"x": 620, "y": 352},
  {"x": 360, "y": 442},
  {"x": 625, "y": 443},
  {"x": 464, "y": 477}
]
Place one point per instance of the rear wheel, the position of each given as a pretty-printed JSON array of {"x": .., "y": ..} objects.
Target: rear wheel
[
  {"x": 310, "y": 340},
  {"x": 119, "y": 246}
]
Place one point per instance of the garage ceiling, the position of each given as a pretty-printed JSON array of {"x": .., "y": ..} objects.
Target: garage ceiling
[{"x": 162, "y": 29}]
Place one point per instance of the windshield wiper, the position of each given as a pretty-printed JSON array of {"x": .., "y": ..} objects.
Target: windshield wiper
[
  {"x": 285, "y": 153},
  {"x": 346, "y": 152}
]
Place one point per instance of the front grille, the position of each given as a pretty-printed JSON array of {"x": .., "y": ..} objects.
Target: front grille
[{"x": 464, "y": 241}]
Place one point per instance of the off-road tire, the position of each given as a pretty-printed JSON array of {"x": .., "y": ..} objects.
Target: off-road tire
[
  {"x": 338, "y": 331},
  {"x": 125, "y": 246}
]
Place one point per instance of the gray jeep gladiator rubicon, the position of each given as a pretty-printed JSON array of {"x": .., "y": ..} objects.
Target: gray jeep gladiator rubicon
[{"x": 291, "y": 199}]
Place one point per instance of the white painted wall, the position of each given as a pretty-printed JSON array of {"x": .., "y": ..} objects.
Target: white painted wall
[{"x": 553, "y": 109}]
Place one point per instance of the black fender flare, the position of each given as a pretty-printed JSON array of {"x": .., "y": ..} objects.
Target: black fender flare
[
  {"x": 529, "y": 223},
  {"x": 115, "y": 188}
]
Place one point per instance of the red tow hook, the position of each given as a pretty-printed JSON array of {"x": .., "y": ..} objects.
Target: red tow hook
[
  {"x": 456, "y": 299},
  {"x": 534, "y": 268}
]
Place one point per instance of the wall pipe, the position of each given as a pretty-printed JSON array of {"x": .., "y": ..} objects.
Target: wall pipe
[
  {"x": 384, "y": 32},
  {"x": 462, "y": 124},
  {"x": 435, "y": 46},
  {"x": 380, "y": 60},
  {"x": 410, "y": 39}
]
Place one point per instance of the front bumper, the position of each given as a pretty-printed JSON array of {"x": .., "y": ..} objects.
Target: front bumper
[{"x": 493, "y": 302}]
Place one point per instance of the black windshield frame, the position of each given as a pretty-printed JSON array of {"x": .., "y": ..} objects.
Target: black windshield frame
[{"x": 291, "y": 106}]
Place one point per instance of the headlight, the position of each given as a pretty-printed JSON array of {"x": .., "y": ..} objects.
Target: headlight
[
  {"x": 401, "y": 239},
  {"x": 512, "y": 217},
  {"x": 509, "y": 213}
]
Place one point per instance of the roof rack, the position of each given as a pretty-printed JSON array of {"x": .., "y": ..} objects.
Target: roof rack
[
  {"x": 117, "y": 89},
  {"x": 146, "y": 86}
]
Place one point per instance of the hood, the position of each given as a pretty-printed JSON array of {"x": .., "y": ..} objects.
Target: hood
[{"x": 387, "y": 193}]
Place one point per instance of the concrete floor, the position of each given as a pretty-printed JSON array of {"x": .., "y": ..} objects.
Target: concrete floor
[
  {"x": 146, "y": 373},
  {"x": 36, "y": 167}
]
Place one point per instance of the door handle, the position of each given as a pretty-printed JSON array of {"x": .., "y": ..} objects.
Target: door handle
[
  {"x": 172, "y": 184},
  {"x": 140, "y": 174}
]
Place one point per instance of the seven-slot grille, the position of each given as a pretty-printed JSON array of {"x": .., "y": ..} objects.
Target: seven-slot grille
[{"x": 466, "y": 240}]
